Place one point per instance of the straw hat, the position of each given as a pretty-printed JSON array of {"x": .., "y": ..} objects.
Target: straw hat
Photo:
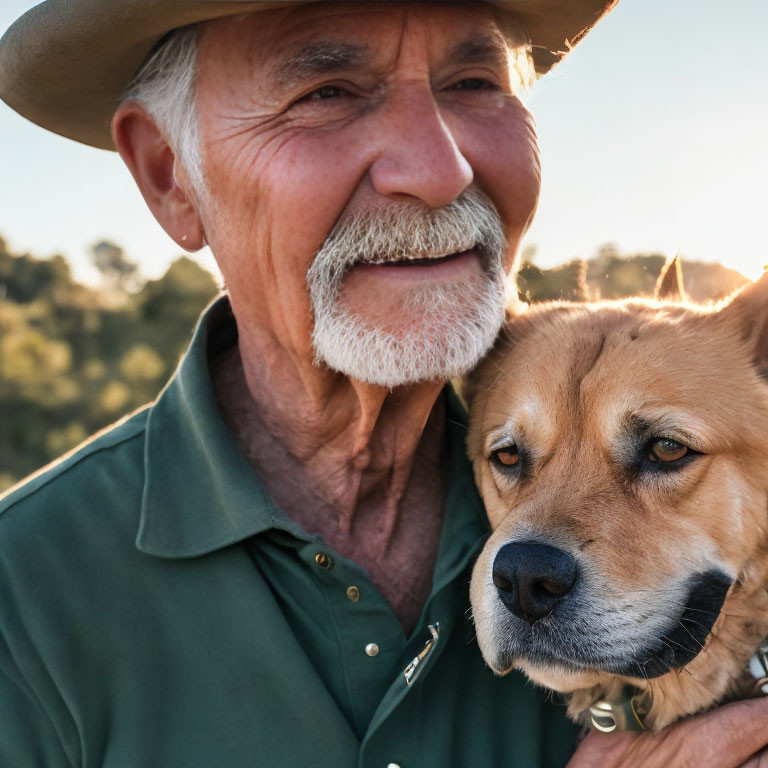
[{"x": 65, "y": 63}]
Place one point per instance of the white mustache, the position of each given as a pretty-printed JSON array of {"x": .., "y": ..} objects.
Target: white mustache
[{"x": 406, "y": 232}]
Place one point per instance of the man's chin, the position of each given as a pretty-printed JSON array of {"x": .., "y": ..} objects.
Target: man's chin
[{"x": 424, "y": 344}]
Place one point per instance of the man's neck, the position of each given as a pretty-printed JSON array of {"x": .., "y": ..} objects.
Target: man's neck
[{"x": 360, "y": 465}]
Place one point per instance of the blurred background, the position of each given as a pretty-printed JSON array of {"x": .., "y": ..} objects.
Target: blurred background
[{"x": 653, "y": 138}]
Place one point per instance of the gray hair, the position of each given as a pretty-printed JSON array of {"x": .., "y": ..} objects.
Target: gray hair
[{"x": 165, "y": 85}]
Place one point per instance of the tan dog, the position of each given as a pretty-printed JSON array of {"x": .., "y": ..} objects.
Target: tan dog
[{"x": 621, "y": 449}]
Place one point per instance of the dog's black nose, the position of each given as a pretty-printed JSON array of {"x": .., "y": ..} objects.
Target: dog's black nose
[{"x": 531, "y": 578}]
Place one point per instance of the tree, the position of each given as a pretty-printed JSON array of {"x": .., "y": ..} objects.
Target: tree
[{"x": 117, "y": 272}]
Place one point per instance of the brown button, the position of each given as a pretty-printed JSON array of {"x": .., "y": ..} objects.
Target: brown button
[
  {"x": 323, "y": 560},
  {"x": 353, "y": 593}
]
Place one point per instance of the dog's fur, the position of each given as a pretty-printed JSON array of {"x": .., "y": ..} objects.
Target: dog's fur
[{"x": 583, "y": 391}]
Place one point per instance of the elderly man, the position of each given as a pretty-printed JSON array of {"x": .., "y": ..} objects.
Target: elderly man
[{"x": 269, "y": 565}]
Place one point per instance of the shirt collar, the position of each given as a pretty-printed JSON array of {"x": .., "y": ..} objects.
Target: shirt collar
[{"x": 200, "y": 492}]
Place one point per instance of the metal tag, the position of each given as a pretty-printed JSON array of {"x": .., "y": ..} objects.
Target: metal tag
[{"x": 410, "y": 671}]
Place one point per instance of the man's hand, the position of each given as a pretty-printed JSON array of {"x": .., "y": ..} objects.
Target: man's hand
[{"x": 729, "y": 737}]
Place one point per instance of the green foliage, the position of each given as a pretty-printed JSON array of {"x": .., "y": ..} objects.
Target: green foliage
[
  {"x": 73, "y": 359},
  {"x": 565, "y": 282},
  {"x": 611, "y": 275}
]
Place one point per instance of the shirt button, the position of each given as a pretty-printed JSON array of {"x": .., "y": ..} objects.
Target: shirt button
[
  {"x": 393, "y": 765},
  {"x": 353, "y": 593},
  {"x": 324, "y": 561},
  {"x": 372, "y": 649}
]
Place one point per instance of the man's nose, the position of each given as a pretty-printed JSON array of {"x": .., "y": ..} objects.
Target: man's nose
[
  {"x": 418, "y": 155},
  {"x": 531, "y": 578}
]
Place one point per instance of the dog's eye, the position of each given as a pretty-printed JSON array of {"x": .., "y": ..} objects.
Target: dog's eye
[
  {"x": 508, "y": 456},
  {"x": 667, "y": 450}
]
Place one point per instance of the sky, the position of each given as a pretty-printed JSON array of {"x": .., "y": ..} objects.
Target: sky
[{"x": 653, "y": 136}]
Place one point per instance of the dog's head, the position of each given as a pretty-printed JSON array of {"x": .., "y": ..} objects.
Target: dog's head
[{"x": 621, "y": 450}]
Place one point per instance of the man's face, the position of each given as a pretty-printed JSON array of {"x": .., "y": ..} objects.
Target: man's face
[{"x": 312, "y": 116}]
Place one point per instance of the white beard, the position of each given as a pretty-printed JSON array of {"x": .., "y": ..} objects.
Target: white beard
[{"x": 457, "y": 323}]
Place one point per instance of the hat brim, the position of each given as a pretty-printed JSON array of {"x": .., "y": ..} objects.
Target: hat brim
[{"x": 65, "y": 64}]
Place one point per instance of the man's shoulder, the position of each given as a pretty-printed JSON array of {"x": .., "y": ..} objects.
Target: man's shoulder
[{"x": 105, "y": 470}]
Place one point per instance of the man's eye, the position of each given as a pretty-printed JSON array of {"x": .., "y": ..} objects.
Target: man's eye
[
  {"x": 475, "y": 84},
  {"x": 325, "y": 93},
  {"x": 666, "y": 450}
]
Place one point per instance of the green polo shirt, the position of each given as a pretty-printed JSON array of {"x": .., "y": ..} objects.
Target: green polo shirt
[{"x": 158, "y": 609}]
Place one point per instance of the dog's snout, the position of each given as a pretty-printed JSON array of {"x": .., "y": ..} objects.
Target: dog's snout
[{"x": 532, "y": 577}]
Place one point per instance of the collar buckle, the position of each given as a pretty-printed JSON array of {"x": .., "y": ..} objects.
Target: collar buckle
[
  {"x": 623, "y": 711},
  {"x": 758, "y": 668}
]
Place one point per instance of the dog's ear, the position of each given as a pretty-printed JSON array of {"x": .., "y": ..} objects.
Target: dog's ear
[
  {"x": 747, "y": 310},
  {"x": 669, "y": 286}
]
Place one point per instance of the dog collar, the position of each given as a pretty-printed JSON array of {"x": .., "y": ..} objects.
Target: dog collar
[{"x": 627, "y": 709}]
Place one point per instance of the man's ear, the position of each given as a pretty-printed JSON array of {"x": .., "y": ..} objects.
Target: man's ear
[
  {"x": 747, "y": 314},
  {"x": 669, "y": 286},
  {"x": 158, "y": 173}
]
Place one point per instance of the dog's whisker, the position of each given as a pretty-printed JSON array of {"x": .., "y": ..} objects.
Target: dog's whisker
[
  {"x": 692, "y": 636},
  {"x": 693, "y": 621}
]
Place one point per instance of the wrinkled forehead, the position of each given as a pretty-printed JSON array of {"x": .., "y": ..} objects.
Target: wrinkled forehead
[{"x": 308, "y": 39}]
